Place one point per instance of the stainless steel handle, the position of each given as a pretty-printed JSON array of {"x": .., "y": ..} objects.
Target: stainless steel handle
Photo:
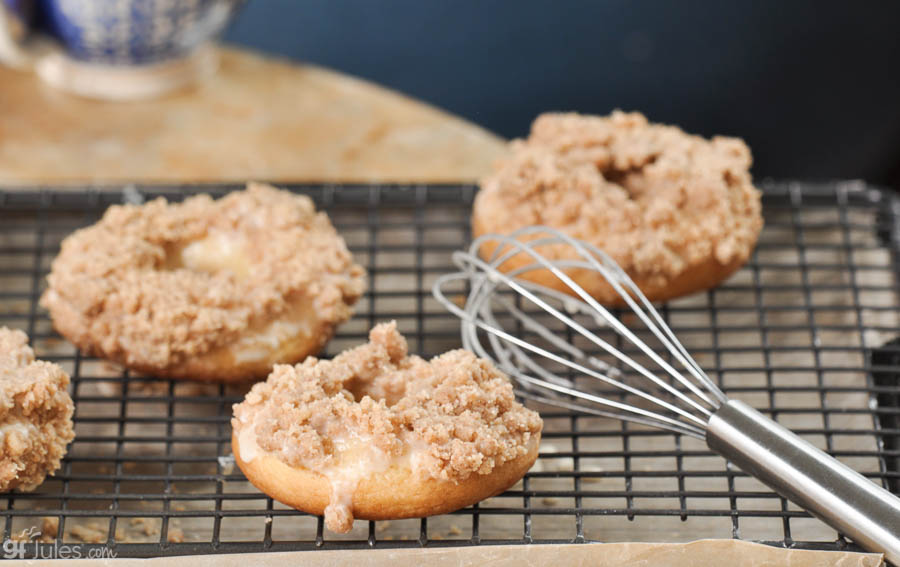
[{"x": 827, "y": 488}]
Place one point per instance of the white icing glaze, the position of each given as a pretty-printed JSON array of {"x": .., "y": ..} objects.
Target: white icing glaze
[
  {"x": 355, "y": 458},
  {"x": 259, "y": 346},
  {"x": 22, "y": 429},
  {"x": 247, "y": 443},
  {"x": 415, "y": 455},
  {"x": 218, "y": 251}
]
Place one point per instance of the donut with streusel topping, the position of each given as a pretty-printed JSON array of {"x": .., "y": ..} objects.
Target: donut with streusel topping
[
  {"x": 35, "y": 414},
  {"x": 677, "y": 212},
  {"x": 377, "y": 434},
  {"x": 205, "y": 289}
]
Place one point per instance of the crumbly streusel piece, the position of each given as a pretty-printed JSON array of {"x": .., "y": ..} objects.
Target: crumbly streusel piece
[{"x": 35, "y": 414}]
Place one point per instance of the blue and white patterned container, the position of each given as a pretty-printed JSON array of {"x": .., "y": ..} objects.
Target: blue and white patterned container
[
  {"x": 114, "y": 49},
  {"x": 122, "y": 32},
  {"x": 132, "y": 32}
]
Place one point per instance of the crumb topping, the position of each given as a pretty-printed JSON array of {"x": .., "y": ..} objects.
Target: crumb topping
[
  {"x": 656, "y": 199},
  {"x": 151, "y": 285},
  {"x": 456, "y": 412},
  {"x": 374, "y": 407},
  {"x": 35, "y": 414}
]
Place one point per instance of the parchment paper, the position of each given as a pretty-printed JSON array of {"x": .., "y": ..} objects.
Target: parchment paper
[{"x": 696, "y": 554}]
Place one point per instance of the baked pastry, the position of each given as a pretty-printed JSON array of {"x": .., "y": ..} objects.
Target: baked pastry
[
  {"x": 204, "y": 289},
  {"x": 35, "y": 414},
  {"x": 677, "y": 212},
  {"x": 378, "y": 434}
]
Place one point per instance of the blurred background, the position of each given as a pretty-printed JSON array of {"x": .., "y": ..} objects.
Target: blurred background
[{"x": 813, "y": 87}]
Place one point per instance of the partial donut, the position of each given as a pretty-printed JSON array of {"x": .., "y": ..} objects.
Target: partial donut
[
  {"x": 203, "y": 289},
  {"x": 677, "y": 212},
  {"x": 377, "y": 434},
  {"x": 35, "y": 414}
]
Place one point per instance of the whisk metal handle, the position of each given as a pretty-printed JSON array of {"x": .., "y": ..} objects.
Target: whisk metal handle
[{"x": 828, "y": 489}]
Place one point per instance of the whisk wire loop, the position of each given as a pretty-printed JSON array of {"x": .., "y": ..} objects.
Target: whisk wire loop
[
  {"x": 617, "y": 278},
  {"x": 553, "y": 383}
]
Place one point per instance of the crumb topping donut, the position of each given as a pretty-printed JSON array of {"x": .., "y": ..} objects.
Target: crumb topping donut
[
  {"x": 378, "y": 434},
  {"x": 35, "y": 414},
  {"x": 204, "y": 289},
  {"x": 678, "y": 212}
]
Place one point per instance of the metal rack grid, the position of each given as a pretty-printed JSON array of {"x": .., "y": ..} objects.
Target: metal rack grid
[{"x": 796, "y": 333}]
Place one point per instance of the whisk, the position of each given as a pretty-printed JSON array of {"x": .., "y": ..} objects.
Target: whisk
[{"x": 515, "y": 323}]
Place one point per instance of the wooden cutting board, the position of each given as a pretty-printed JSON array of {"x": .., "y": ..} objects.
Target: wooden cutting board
[{"x": 257, "y": 118}]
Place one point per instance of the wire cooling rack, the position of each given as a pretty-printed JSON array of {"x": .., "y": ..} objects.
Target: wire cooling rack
[{"x": 797, "y": 333}]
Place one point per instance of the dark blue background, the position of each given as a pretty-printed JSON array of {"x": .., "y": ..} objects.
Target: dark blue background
[{"x": 814, "y": 87}]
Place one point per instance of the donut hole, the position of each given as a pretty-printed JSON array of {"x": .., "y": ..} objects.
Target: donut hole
[
  {"x": 389, "y": 387},
  {"x": 631, "y": 179},
  {"x": 216, "y": 253}
]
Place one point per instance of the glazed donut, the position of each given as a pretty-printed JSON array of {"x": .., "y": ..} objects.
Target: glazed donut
[
  {"x": 35, "y": 414},
  {"x": 677, "y": 212},
  {"x": 377, "y": 434},
  {"x": 205, "y": 290}
]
